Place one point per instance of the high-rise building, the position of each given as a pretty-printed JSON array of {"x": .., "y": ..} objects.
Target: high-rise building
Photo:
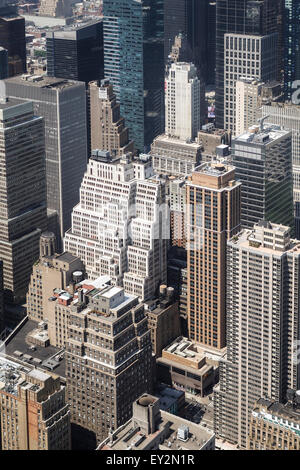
[
  {"x": 108, "y": 131},
  {"x": 288, "y": 116},
  {"x": 275, "y": 426},
  {"x": 1, "y": 298},
  {"x": 192, "y": 18},
  {"x": 213, "y": 216},
  {"x": 134, "y": 64},
  {"x": 76, "y": 52},
  {"x": 246, "y": 56},
  {"x": 23, "y": 193},
  {"x": 184, "y": 102},
  {"x": 247, "y": 102},
  {"x": 262, "y": 17},
  {"x": 291, "y": 46},
  {"x": 120, "y": 227},
  {"x": 262, "y": 326},
  {"x": 62, "y": 104},
  {"x": 56, "y": 8},
  {"x": 113, "y": 364},
  {"x": 53, "y": 271},
  {"x": 263, "y": 161},
  {"x": 12, "y": 37},
  {"x": 3, "y": 63},
  {"x": 33, "y": 412}
]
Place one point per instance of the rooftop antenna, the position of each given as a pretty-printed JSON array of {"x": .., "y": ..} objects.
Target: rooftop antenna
[{"x": 261, "y": 122}]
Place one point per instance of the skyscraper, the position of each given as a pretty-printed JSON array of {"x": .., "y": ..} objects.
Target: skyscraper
[
  {"x": 193, "y": 19},
  {"x": 288, "y": 116},
  {"x": 120, "y": 227},
  {"x": 246, "y": 56},
  {"x": 23, "y": 193},
  {"x": 247, "y": 102},
  {"x": 62, "y": 104},
  {"x": 260, "y": 17},
  {"x": 291, "y": 45},
  {"x": 263, "y": 161},
  {"x": 108, "y": 131},
  {"x": 113, "y": 365},
  {"x": 12, "y": 37},
  {"x": 184, "y": 111},
  {"x": 76, "y": 52},
  {"x": 213, "y": 216},
  {"x": 134, "y": 64},
  {"x": 262, "y": 326}
]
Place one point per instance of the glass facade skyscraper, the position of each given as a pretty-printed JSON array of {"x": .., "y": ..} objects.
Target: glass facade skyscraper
[
  {"x": 252, "y": 17},
  {"x": 291, "y": 45},
  {"x": 134, "y": 64}
]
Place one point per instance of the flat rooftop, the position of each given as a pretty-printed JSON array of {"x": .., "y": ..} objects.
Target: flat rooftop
[
  {"x": 262, "y": 137},
  {"x": 128, "y": 436},
  {"x": 42, "y": 81},
  {"x": 173, "y": 140},
  {"x": 280, "y": 410},
  {"x": 18, "y": 347}
]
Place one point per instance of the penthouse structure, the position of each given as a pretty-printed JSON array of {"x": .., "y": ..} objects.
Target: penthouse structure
[
  {"x": 120, "y": 227},
  {"x": 108, "y": 131},
  {"x": 213, "y": 216},
  {"x": 33, "y": 410},
  {"x": 275, "y": 426},
  {"x": 108, "y": 361},
  {"x": 151, "y": 429},
  {"x": 262, "y": 326}
]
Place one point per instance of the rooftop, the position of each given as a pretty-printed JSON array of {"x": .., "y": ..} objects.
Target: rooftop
[
  {"x": 262, "y": 137},
  {"x": 17, "y": 346},
  {"x": 42, "y": 81}
]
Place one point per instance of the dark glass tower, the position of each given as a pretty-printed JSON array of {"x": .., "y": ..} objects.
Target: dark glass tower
[
  {"x": 291, "y": 45},
  {"x": 12, "y": 38},
  {"x": 256, "y": 17},
  {"x": 76, "y": 53},
  {"x": 191, "y": 18},
  {"x": 134, "y": 64}
]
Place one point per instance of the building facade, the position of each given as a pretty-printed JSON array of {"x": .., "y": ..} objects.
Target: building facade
[
  {"x": 76, "y": 53},
  {"x": 51, "y": 271},
  {"x": 62, "y": 104},
  {"x": 243, "y": 17},
  {"x": 262, "y": 326},
  {"x": 12, "y": 37},
  {"x": 184, "y": 111},
  {"x": 291, "y": 46},
  {"x": 108, "y": 131},
  {"x": 263, "y": 161},
  {"x": 120, "y": 227},
  {"x": 246, "y": 56},
  {"x": 33, "y": 410},
  {"x": 275, "y": 426},
  {"x": 136, "y": 27},
  {"x": 213, "y": 216},
  {"x": 287, "y": 116},
  {"x": 108, "y": 361},
  {"x": 23, "y": 194}
]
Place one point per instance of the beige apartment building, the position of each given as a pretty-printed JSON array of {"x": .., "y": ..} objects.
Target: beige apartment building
[
  {"x": 33, "y": 411},
  {"x": 52, "y": 271},
  {"x": 108, "y": 131},
  {"x": 275, "y": 426},
  {"x": 213, "y": 216}
]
